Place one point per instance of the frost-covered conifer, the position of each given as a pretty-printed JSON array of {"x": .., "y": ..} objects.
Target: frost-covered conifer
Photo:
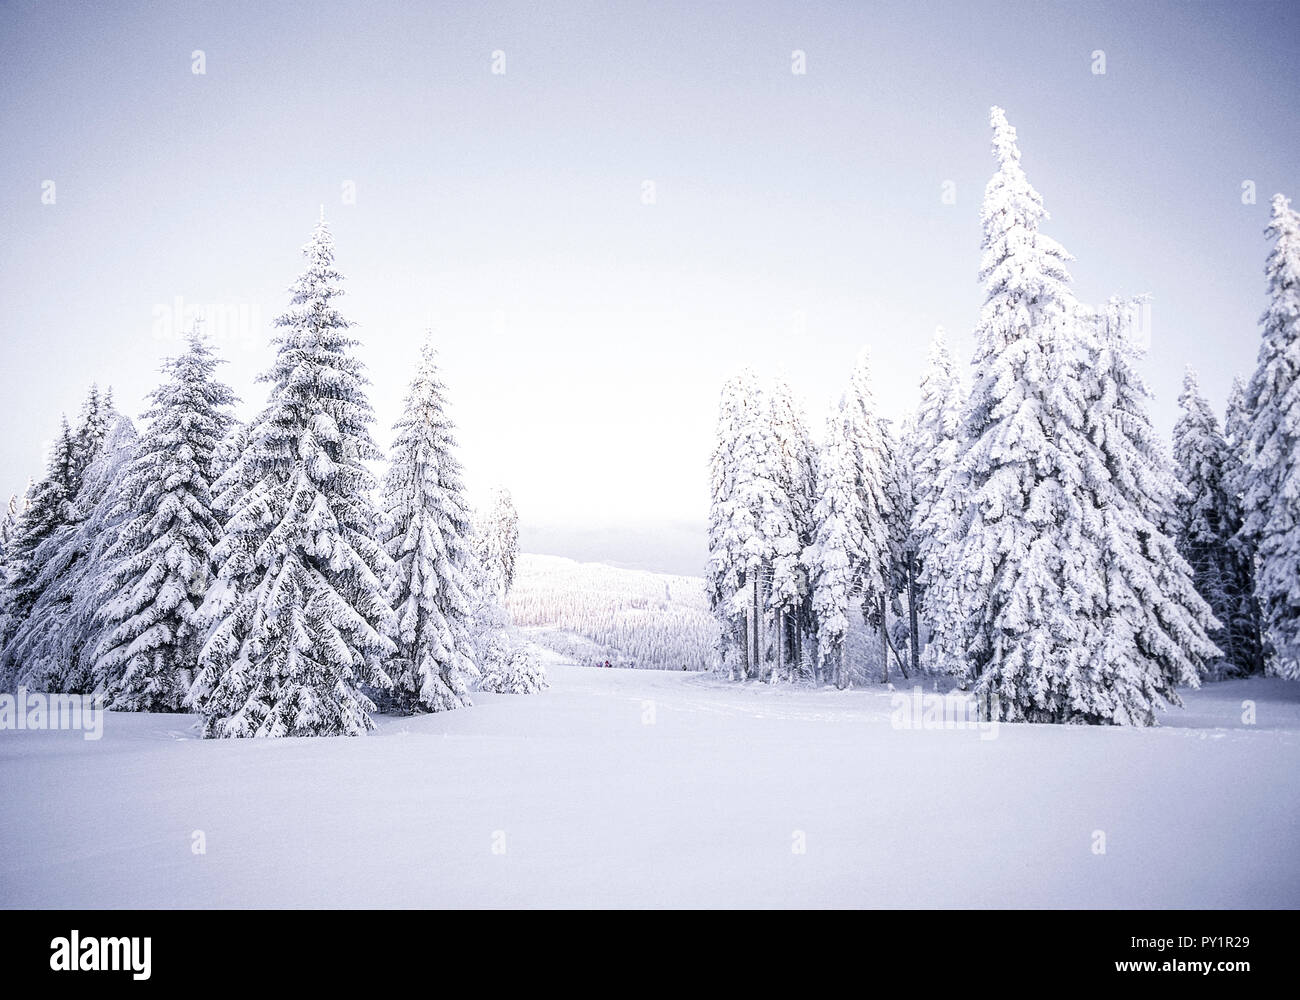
[
  {"x": 1024, "y": 604},
  {"x": 837, "y": 556},
  {"x": 935, "y": 445},
  {"x": 428, "y": 536},
  {"x": 97, "y": 416},
  {"x": 496, "y": 531},
  {"x": 299, "y": 615},
  {"x": 875, "y": 471},
  {"x": 48, "y": 508},
  {"x": 53, "y": 647},
  {"x": 789, "y": 523},
  {"x": 897, "y": 618},
  {"x": 157, "y": 572},
  {"x": 1272, "y": 475},
  {"x": 512, "y": 671},
  {"x": 764, "y": 523},
  {"x": 725, "y": 572}
]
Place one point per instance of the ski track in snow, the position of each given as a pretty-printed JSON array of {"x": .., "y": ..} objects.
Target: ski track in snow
[{"x": 631, "y": 788}]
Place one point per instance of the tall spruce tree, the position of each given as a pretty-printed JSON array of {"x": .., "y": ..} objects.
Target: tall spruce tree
[
  {"x": 428, "y": 537},
  {"x": 837, "y": 557},
  {"x": 936, "y": 444},
  {"x": 894, "y": 619},
  {"x": 798, "y": 480},
  {"x": 765, "y": 527},
  {"x": 874, "y": 460},
  {"x": 158, "y": 569},
  {"x": 1272, "y": 477},
  {"x": 1026, "y": 600},
  {"x": 725, "y": 573},
  {"x": 907, "y": 541},
  {"x": 302, "y": 621},
  {"x": 787, "y": 523}
]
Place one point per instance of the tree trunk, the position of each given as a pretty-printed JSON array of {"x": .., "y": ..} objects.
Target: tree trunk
[
  {"x": 914, "y": 624},
  {"x": 758, "y": 653},
  {"x": 744, "y": 640},
  {"x": 798, "y": 640},
  {"x": 780, "y": 646},
  {"x": 884, "y": 640}
]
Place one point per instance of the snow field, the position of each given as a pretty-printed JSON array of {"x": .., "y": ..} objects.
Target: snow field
[{"x": 633, "y": 788}]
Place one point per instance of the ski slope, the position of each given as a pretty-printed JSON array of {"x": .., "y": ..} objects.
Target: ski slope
[{"x": 636, "y": 788}]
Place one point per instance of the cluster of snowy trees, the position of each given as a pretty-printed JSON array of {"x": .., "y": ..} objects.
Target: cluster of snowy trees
[
  {"x": 630, "y": 617},
  {"x": 258, "y": 573},
  {"x": 1240, "y": 525},
  {"x": 801, "y": 537},
  {"x": 1028, "y": 533}
]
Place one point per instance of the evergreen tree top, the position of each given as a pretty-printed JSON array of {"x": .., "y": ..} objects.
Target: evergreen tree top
[
  {"x": 1018, "y": 260},
  {"x": 1197, "y": 427},
  {"x": 1283, "y": 266}
]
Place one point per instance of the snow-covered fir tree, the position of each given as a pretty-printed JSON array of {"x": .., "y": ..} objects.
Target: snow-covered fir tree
[
  {"x": 1154, "y": 630},
  {"x": 300, "y": 620},
  {"x": 1243, "y": 611},
  {"x": 1024, "y": 604},
  {"x": 53, "y": 647},
  {"x": 1209, "y": 520},
  {"x": 725, "y": 570},
  {"x": 874, "y": 458},
  {"x": 48, "y": 508},
  {"x": 496, "y": 534},
  {"x": 790, "y": 524},
  {"x": 935, "y": 443},
  {"x": 764, "y": 517},
  {"x": 898, "y": 624},
  {"x": 1236, "y": 435},
  {"x": 428, "y": 535},
  {"x": 1272, "y": 477},
  {"x": 158, "y": 569},
  {"x": 837, "y": 557},
  {"x": 97, "y": 416},
  {"x": 508, "y": 670}
]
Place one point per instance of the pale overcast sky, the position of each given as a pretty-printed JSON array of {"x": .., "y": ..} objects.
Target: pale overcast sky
[{"x": 585, "y": 333}]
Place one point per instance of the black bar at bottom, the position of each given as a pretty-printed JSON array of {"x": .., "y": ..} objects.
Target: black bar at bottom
[{"x": 332, "y": 948}]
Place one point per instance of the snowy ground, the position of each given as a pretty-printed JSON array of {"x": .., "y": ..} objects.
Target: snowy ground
[{"x": 645, "y": 788}]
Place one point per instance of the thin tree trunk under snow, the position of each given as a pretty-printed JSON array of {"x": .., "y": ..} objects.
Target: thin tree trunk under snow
[
  {"x": 914, "y": 628},
  {"x": 884, "y": 640},
  {"x": 780, "y": 646}
]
